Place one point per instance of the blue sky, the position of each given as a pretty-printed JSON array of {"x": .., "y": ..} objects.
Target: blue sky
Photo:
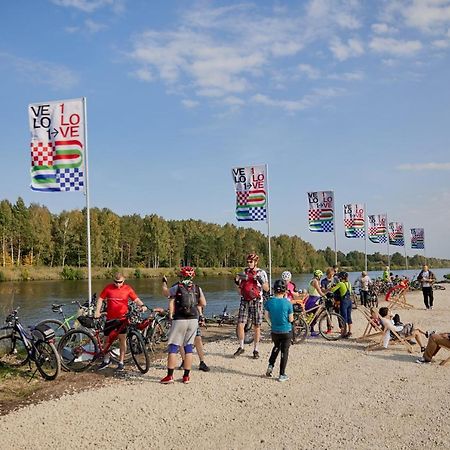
[{"x": 346, "y": 95}]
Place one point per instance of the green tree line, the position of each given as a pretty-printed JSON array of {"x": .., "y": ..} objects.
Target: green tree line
[{"x": 32, "y": 235}]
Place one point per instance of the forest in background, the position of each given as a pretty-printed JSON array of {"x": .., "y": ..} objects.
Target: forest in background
[{"x": 33, "y": 236}]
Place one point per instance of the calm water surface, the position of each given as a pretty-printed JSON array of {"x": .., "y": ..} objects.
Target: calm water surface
[{"x": 36, "y": 297}]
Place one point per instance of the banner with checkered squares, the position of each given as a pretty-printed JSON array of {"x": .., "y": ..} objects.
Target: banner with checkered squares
[
  {"x": 396, "y": 234},
  {"x": 377, "y": 231},
  {"x": 354, "y": 222},
  {"x": 321, "y": 211},
  {"x": 418, "y": 238},
  {"x": 57, "y": 145}
]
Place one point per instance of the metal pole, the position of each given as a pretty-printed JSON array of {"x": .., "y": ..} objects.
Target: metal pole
[
  {"x": 387, "y": 228},
  {"x": 365, "y": 238},
  {"x": 334, "y": 230},
  {"x": 268, "y": 228},
  {"x": 86, "y": 193}
]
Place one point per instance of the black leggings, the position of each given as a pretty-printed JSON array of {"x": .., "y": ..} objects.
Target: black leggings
[
  {"x": 281, "y": 342},
  {"x": 428, "y": 296}
]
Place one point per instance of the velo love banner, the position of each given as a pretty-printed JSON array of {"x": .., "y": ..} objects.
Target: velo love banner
[
  {"x": 418, "y": 238},
  {"x": 57, "y": 145},
  {"x": 251, "y": 192},
  {"x": 321, "y": 211},
  {"x": 377, "y": 228},
  {"x": 354, "y": 222},
  {"x": 396, "y": 234}
]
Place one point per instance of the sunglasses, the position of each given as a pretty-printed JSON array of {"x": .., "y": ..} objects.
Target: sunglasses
[{"x": 118, "y": 281}]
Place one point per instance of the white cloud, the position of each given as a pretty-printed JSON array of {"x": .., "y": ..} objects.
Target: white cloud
[
  {"x": 441, "y": 43},
  {"x": 89, "y": 6},
  {"x": 382, "y": 28},
  {"x": 342, "y": 51},
  {"x": 309, "y": 71},
  {"x": 395, "y": 47},
  {"x": 94, "y": 27},
  {"x": 425, "y": 166},
  {"x": 143, "y": 74},
  {"x": 233, "y": 101},
  {"x": 189, "y": 103},
  {"x": 347, "y": 76}
]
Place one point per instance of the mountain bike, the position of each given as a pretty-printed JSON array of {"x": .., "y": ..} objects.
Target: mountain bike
[
  {"x": 23, "y": 347},
  {"x": 80, "y": 348},
  {"x": 155, "y": 329}
]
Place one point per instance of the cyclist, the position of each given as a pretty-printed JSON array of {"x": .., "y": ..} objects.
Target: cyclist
[
  {"x": 344, "y": 288},
  {"x": 315, "y": 294},
  {"x": 251, "y": 285},
  {"x": 291, "y": 289},
  {"x": 186, "y": 301},
  {"x": 198, "y": 343},
  {"x": 116, "y": 296}
]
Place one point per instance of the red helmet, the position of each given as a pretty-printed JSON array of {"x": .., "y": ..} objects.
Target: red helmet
[
  {"x": 187, "y": 272},
  {"x": 252, "y": 257}
]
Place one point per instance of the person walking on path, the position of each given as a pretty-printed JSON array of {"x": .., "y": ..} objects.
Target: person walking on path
[
  {"x": 279, "y": 313},
  {"x": 116, "y": 296},
  {"x": 186, "y": 302},
  {"x": 198, "y": 343},
  {"x": 364, "y": 282},
  {"x": 426, "y": 278},
  {"x": 251, "y": 285}
]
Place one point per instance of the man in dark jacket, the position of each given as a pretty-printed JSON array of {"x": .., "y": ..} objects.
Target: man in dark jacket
[{"x": 426, "y": 278}]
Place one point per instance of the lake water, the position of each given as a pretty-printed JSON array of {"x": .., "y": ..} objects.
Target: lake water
[{"x": 36, "y": 297}]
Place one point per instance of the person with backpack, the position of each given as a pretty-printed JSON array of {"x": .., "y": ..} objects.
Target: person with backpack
[
  {"x": 186, "y": 303},
  {"x": 251, "y": 285},
  {"x": 426, "y": 278},
  {"x": 344, "y": 288}
]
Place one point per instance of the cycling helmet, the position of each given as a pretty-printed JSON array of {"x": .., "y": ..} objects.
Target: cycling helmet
[
  {"x": 187, "y": 272},
  {"x": 252, "y": 257},
  {"x": 286, "y": 276},
  {"x": 342, "y": 275},
  {"x": 318, "y": 273},
  {"x": 279, "y": 286}
]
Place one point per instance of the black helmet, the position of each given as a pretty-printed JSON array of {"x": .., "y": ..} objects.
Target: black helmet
[
  {"x": 342, "y": 275},
  {"x": 279, "y": 286}
]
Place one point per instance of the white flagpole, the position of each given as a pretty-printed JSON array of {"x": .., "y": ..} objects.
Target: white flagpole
[
  {"x": 268, "y": 228},
  {"x": 86, "y": 193},
  {"x": 387, "y": 229},
  {"x": 404, "y": 245},
  {"x": 365, "y": 237},
  {"x": 334, "y": 229},
  {"x": 424, "y": 253}
]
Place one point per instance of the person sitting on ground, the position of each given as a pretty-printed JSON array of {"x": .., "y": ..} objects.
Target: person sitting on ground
[
  {"x": 406, "y": 331},
  {"x": 435, "y": 342}
]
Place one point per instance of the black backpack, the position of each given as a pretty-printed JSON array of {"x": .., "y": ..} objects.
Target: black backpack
[{"x": 186, "y": 298}]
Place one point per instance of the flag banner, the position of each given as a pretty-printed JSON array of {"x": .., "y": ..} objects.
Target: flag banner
[
  {"x": 418, "y": 238},
  {"x": 354, "y": 222},
  {"x": 377, "y": 228},
  {"x": 396, "y": 234},
  {"x": 321, "y": 211},
  {"x": 57, "y": 145},
  {"x": 251, "y": 192}
]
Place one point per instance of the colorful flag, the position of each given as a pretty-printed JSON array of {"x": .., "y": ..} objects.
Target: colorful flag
[
  {"x": 354, "y": 221},
  {"x": 57, "y": 145},
  {"x": 396, "y": 234},
  {"x": 321, "y": 211},
  {"x": 418, "y": 238},
  {"x": 377, "y": 228},
  {"x": 251, "y": 192}
]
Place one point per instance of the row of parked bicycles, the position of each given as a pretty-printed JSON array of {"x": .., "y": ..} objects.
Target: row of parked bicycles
[{"x": 77, "y": 341}]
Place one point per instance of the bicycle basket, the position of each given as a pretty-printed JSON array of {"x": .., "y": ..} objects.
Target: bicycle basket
[
  {"x": 87, "y": 321},
  {"x": 43, "y": 333}
]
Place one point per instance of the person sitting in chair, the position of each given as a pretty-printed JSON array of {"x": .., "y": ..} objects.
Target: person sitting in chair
[{"x": 435, "y": 342}]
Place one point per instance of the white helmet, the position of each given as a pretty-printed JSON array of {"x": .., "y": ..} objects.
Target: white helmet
[{"x": 286, "y": 276}]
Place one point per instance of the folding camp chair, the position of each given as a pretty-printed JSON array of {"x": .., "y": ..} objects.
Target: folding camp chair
[
  {"x": 393, "y": 334},
  {"x": 398, "y": 299},
  {"x": 373, "y": 327}
]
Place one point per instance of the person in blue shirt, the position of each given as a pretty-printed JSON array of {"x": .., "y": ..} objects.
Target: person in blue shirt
[{"x": 279, "y": 313}]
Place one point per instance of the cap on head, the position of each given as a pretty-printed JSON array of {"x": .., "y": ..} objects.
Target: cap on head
[{"x": 279, "y": 286}]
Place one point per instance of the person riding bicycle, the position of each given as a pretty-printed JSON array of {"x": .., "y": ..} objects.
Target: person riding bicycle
[
  {"x": 116, "y": 295},
  {"x": 198, "y": 343},
  {"x": 344, "y": 288},
  {"x": 251, "y": 285},
  {"x": 186, "y": 303},
  {"x": 315, "y": 294}
]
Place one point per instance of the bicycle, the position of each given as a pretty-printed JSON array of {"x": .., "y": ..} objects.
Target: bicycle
[
  {"x": 37, "y": 346},
  {"x": 80, "y": 348},
  {"x": 155, "y": 329}
]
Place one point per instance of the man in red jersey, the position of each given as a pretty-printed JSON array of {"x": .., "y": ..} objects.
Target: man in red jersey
[{"x": 116, "y": 296}]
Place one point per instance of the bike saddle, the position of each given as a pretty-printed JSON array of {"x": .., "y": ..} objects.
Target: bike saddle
[{"x": 57, "y": 305}]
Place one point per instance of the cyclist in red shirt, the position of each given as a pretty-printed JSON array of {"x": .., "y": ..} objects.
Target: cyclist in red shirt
[{"x": 116, "y": 296}]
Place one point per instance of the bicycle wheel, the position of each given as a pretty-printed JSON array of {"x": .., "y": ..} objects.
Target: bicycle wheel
[
  {"x": 57, "y": 326},
  {"x": 154, "y": 336},
  {"x": 330, "y": 324},
  {"x": 138, "y": 351},
  {"x": 13, "y": 351},
  {"x": 114, "y": 352},
  {"x": 299, "y": 330},
  {"x": 47, "y": 360},
  {"x": 77, "y": 350},
  {"x": 165, "y": 328}
]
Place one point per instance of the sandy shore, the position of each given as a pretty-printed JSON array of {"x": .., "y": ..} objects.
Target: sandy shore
[{"x": 338, "y": 396}]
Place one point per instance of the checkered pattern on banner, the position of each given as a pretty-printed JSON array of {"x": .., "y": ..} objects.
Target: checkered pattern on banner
[
  {"x": 41, "y": 155},
  {"x": 348, "y": 223},
  {"x": 242, "y": 197},
  {"x": 258, "y": 213},
  {"x": 70, "y": 179},
  {"x": 314, "y": 214},
  {"x": 327, "y": 226},
  {"x": 382, "y": 239},
  {"x": 359, "y": 233}
]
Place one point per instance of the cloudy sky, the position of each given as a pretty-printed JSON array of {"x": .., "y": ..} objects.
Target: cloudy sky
[{"x": 344, "y": 95}]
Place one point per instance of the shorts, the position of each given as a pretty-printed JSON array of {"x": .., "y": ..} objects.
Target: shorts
[
  {"x": 182, "y": 332},
  {"x": 311, "y": 302},
  {"x": 253, "y": 310},
  {"x": 112, "y": 325}
]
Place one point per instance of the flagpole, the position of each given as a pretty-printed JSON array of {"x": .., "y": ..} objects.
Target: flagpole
[
  {"x": 404, "y": 245},
  {"x": 388, "y": 255},
  {"x": 365, "y": 238},
  {"x": 334, "y": 230},
  {"x": 424, "y": 252},
  {"x": 268, "y": 229},
  {"x": 86, "y": 193}
]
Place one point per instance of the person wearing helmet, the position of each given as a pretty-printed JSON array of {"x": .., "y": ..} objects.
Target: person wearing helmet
[
  {"x": 186, "y": 303},
  {"x": 344, "y": 289},
  {"x": 251, "y": 285},
  {"x": 315, "y": 294},
  {"x": 279, "y": 313}
]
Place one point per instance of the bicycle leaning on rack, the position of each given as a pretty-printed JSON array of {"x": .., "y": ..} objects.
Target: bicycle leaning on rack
[
  {"x": 22, "y": 347},
  {"x": 80, "y": 348}
]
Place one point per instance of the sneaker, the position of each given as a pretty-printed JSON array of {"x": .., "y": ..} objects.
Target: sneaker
[
  {"x": 104, "y": 365},
  {"x": 269, "y": 371},
  {"x": 239, "y": 351},
  {"x": 429, "y": 333},
  {"x": 255, "y": 354},
  {"x": 167, "y": 379},
  {"x": 314, "y": 333},
  {"x": 422, "y": 361},
  {"x": 186, "y": 379},
  {"x": 283, "y": 378},
  {"x": 203, "y": 367}
]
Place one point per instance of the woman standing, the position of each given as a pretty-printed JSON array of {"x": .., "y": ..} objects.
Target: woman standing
[{"x": 344, "y": 288}]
